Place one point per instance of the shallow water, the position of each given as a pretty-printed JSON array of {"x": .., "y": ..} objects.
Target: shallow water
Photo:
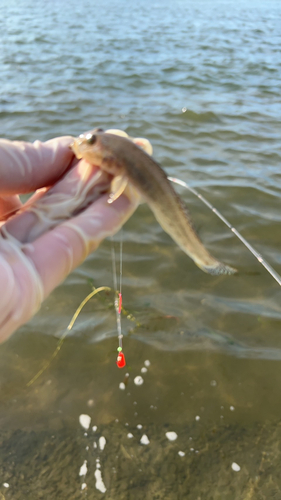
[{"x": 202, "y": 82}]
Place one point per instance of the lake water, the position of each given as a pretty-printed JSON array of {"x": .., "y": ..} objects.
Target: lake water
[{"x": 202, "y": 81}]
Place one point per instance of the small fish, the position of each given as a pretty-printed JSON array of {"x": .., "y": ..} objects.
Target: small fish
[{"x": 127, "y": 162}]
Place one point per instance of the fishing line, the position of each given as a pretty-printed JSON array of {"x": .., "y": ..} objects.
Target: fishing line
[
  {"x": 70, "y": 326},
  {"x": 258, "y": 256},
  {"x": 121, "y": 362}
]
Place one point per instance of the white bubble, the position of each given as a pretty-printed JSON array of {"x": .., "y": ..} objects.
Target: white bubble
[
  {"x": 231, "y": 408},
  {"x": 99, "y": 482},
  {"x": 83, "y": 486},
  {"x": 181, "y": 453},
  {"x": 138, "y": 380},
  {"x": 139, "y": 426},
  {"x": 213, "y": 383},
  {"x": 144, "y": 440},
  {"x": 144, "y": 369},
  {"x": 122, "y": 386},
  {"x": 94, "y": 428},
  {"x": 102, "y": 443},
  {"x": 83, "y": 469},
  {"x": 197, "y": 418},
  {"x": 6, "y": 485},
  {"x": 172, "y": 436},
  {"x": 147, "y": 363},
  {"x": 85, "y": 421},
  {"x": 235, "y": 467},
  {"x": 130, "y": 435}
]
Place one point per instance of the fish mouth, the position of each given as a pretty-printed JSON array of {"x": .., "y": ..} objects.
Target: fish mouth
[{"x": 79, "y": 145}]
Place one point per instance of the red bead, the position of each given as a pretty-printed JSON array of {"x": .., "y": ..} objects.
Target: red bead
[
  {"x": 121, "y": 362},
  {"x": 120, "y": 303}
]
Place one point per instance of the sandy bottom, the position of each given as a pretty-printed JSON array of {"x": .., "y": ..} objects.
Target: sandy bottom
[{"x": 46, "y": 465}]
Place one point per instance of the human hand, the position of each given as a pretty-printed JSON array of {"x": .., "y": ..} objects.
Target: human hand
[{"x": 42, "y": 241}]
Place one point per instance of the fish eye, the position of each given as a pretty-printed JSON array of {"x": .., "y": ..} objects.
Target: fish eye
[
  {"x": 91, "y": 139},
  {"x": 99, "y": 130}
]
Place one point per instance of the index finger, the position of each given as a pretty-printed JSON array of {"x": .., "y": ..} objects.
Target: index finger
[{"x": 25, "y": 167}]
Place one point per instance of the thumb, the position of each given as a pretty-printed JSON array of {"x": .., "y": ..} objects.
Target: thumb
[{"x": 25, "y": 167}]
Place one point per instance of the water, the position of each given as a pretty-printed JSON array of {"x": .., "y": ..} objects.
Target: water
[{"x": 202, "y": 82}]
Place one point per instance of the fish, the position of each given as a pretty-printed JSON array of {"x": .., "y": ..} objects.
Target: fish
[{"x": 129, "y": 163}]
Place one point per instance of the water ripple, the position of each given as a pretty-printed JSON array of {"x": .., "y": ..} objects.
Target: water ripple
[{"x": 203, "y": 82}]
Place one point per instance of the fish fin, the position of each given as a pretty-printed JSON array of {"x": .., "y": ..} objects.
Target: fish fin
[
  {"x": 144, "y": 144},
  {"x": 116, "y": 131},
  {"x": 217, "y": 268},
  {"x": 118, "y": 185}
]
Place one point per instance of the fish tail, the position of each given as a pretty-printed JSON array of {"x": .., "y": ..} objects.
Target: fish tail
[{"x": 216, "y": 268}]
